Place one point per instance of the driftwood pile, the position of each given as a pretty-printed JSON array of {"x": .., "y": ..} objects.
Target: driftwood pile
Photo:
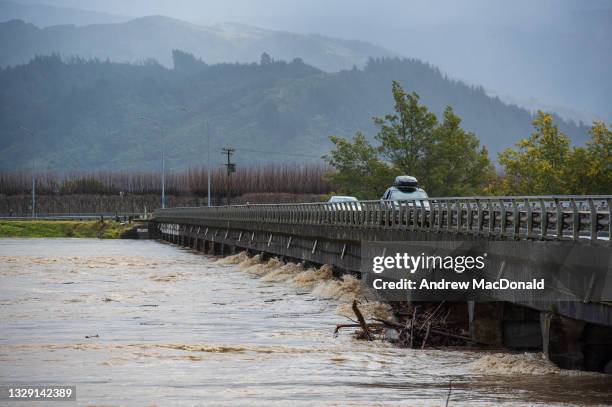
[{"x": 416, "y": 328}]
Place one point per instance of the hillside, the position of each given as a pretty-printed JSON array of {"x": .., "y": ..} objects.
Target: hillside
[
  {"x": 85, "y": 114},
  {"x": 156, "y": 36},
  {"x": 44, "y": 15}
]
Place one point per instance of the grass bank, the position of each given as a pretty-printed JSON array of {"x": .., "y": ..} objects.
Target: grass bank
[{"x": 46, "y": 228}]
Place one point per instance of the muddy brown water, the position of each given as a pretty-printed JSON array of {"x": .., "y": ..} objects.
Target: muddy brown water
[{"x": 146, "y": 323}]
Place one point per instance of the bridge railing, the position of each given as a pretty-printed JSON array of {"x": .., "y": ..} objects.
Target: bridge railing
[{"x": 527, "y": 217}]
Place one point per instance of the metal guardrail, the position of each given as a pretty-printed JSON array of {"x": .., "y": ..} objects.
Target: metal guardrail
[
  {"x": 80, "y": 216},
  {"x": 526, "y": 217}
]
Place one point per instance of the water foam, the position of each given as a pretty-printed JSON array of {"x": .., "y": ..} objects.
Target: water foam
[
  {"x": 233, "y": 259},
  {"x": 319, "y": 281},
  {"x": 167, "y": 277},
  {"x": 283, "y": 273},
  {"x": 520, "y": 364},
  {"x": 309, "y": 278},
  {"x": 346, "y": 289}
]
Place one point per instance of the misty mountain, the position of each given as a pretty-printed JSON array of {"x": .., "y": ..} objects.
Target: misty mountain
[
  {"x": 552, "y": 54},
  {"x": 563, "y": 60},
  {"x": 104, "y": 115},
  {"x": 156, "y": 36},
  {"x": 44, "y": 15}
]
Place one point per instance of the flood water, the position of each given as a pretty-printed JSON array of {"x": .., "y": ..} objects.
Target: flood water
[{"x": 147, "y": 323}]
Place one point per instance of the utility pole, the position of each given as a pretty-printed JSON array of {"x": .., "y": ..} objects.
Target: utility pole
[
  {"x": 231, "y": 167},
  {"x": 208, "y": 161}
]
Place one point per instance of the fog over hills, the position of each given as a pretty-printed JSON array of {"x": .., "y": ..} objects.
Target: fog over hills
[
  {"x": 156, "y": 36},
  {"x": 549, "y": 54}
]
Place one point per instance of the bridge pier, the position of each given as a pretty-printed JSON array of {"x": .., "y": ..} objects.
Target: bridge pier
[
  {"x": 486, "y": 322},
  {"x": 521, "y": 327},
  {"x": 505, "y": 324},
  {"x": 574, "y": 344},
  {"x": 562, "y": 340},
  {"x": 215, "y": 248}
]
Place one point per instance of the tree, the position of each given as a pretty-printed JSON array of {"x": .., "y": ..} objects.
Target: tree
[
  {"x": 456, "y": 164},
  {"x": 265, "y": 59},
  {"x": 599, "y": 153},
  {"x": 358, "y": 168},
  {"x": 545, "y": 163},
  {"x": 446, "y": 159},
  {"x": 538, "y": 167},
  {"x": 406, "y": 136}
]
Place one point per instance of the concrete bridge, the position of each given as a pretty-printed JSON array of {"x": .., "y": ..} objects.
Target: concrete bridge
[{"x": 566, "y": 237}]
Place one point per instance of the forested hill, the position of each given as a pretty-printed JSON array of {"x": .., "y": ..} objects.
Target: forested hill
[
  {"x": 156, "y": 36},
  {"x": 104, "y": 115}
]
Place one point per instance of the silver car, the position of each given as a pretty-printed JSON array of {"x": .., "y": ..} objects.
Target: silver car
[{"x": 344, "y": 203}]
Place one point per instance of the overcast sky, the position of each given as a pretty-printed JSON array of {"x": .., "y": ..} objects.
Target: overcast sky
[{"x": 350, "y": 17}]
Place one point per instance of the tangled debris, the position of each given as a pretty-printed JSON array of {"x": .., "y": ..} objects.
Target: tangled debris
[{"x": 416, "y": 327}]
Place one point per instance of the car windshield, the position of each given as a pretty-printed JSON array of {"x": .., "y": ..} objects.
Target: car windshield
[{"x": 401, "y": 196}]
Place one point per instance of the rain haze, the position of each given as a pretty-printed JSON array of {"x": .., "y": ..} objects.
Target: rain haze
[{"x": 547, "y": 54}]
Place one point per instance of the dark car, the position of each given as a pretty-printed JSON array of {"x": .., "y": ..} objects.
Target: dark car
[{"x": 405, "y": 190}]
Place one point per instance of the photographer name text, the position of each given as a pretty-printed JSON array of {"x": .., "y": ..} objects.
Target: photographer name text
[{"x": 475, "y": 284}]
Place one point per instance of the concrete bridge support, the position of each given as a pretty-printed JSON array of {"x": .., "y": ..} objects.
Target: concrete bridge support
[
  {"x": 505, "y": 324},
  {"x": 574, "y": 344}
]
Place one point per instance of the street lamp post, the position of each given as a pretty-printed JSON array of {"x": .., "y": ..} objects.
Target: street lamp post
[
  {"x": 208, "y": 161},
  {"x": 184, "y": 109},
  {"x": 31, "y": 133},
  {"x": 163, "y": 162},
  {"x": 163, "y": 159},
  {"x": 34, "y": 189},
  {"x": 163, "y": 170}
]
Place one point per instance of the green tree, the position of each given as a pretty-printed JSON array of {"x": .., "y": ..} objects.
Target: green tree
[
  {"x": 539, "y": 164},
  {"x": 358, "y": 169},
  {"x": 446, "y": 159},
  {"x": 545, "y": 163},
  {"x": 599, "y": 152},
  {"x": 406, "y": 137},
  {"x": 589, "y": 170},
  {"x": 456, "y": 164}
]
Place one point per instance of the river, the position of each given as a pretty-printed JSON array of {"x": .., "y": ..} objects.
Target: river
[{"x": 146, "y": 323}]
